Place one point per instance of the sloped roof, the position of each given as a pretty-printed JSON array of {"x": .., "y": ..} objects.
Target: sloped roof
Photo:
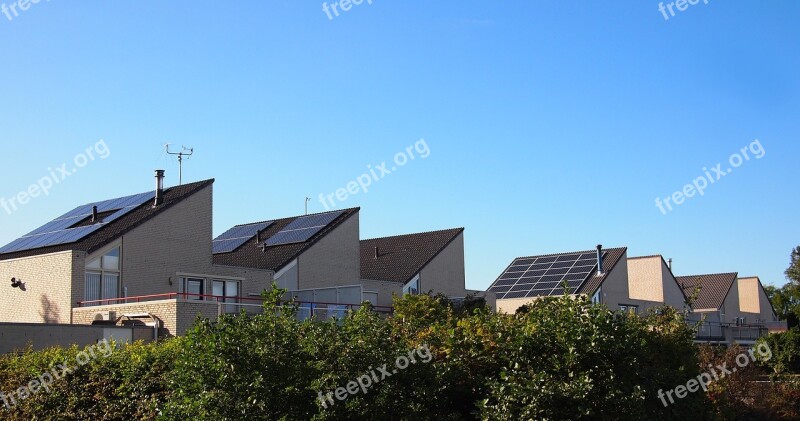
[
  {"x": 121, "y": 226},
  {"x": 402, "y": 257},
  {"x": 612, "y": 257},
  {"x": 713, "y": 289},
  {"x": 275, "y": 258}
]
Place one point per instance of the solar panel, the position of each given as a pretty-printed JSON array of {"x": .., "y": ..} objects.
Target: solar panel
[
  {"x": 233, "y": 238},
  {"x": 544, "y": 276},
  {"x": 58, "y": 231},
  {"x": 303, "y": 228}
]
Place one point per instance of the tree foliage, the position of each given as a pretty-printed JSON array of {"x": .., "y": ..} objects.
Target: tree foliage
[{"x": 563, "y": 359}]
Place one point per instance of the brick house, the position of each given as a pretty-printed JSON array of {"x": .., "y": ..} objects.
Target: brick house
[
  {"x": 730, "y": 309},
  {"x": 414, "y": 263},
  {"x": 91, "y": 262},
  {"x": 529, "y": 278}
]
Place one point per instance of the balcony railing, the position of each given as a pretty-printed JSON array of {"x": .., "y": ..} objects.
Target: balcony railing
[
  {"x": 708, "y": 331},
  {"x": 236, "y": 304},
  {"x": 719, "y": 332}
]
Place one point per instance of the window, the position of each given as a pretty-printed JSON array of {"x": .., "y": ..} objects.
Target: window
[
  {"x": 226, "y": 292},
  {"x": 194, "y": 288},
  {"x": 103, "y": 277},
  {"x": 412, "y": 288},
  {"x": 629, "y": 309}
]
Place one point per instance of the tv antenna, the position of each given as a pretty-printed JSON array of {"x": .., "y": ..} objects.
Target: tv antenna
[{"x": 184, "y": 152}]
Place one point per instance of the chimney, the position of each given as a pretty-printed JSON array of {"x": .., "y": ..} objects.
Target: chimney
[
  {"x": 669, "y": 264},
  {"x": 94, "y": 214},
  {"x": 377, "y": 253},
  {"x": 600, "y": 259},
  {"x": 159, "y": 188},
  {"x": 258, "y": 238}
]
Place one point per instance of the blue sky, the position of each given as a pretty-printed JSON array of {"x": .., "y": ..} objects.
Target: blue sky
[{"x": 551, "y": 126}]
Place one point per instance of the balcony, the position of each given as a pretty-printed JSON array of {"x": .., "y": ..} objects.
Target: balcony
[
  {"x": 177, "y": 312},
  {"x": 716, "y": 332}
]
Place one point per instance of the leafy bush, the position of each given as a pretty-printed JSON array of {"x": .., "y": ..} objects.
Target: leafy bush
[{"x": 563, "y": 359}]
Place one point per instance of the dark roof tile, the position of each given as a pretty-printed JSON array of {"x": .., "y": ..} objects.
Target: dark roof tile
[
  {"x": 275, "y": 258},
  {"x": 713, "y": 289},
  {"x": 121, "y": 226},
  {"x": 402, "y": 257}
]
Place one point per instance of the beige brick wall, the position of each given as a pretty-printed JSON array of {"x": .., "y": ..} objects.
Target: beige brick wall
[
  {"x": 189, "y": 312},
  {"x": 177, "y": 316},
  {"x": 511, "y": 305},
  {"x": 753, "y": 301},
  {"x": 673, "y": 294},
  {"x": 615, "y": 287},
  {"x": 749, "y": 295},
  {"x": 385, "y": 289},
  {"x": 731, "y": 305},
  {"x": 48, "y": 296},
  {"x": 645, "y": 279},
  {"x": 164, "y": 310},
  {"x": 333, "y": 261},
  {"x": 445, "y": 273},
  {"x": 177, "y": 240},
  {"x": 651, "y": 281}
]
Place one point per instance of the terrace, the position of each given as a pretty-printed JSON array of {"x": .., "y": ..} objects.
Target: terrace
[
  {"x": 177, "y": 312},
  {"x": 729, "y": 333}
]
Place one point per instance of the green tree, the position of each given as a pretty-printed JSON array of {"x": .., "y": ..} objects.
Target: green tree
[{"x": 793, "y": 272}]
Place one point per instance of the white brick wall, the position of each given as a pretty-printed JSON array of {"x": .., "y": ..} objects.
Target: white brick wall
[
  {"x": 49, "y": 296},
  {"x": 335, "y": 260},
  {"x": 445, "y": 273}
]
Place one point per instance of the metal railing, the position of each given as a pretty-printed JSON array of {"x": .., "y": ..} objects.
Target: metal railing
[
  {"x": 717, "y": 331},
  {"x": 312, "y": 309}
]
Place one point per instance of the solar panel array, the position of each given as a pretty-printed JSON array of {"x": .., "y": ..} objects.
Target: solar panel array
[
  {"x": 303, "y": 228},
  {"x": 58, "y": 231},
  {"x": 545, "y": 275},
  {"x": 233, "y": 238}
]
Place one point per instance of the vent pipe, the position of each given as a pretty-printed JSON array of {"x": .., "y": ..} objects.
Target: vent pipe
[
  {"x": 669, "y": 264},
  {"x": 94, "y": 214},
  {"x": 377, "y": 253},
  {"x": 159, "y": 188},
  {"x": 600, "y": 259}
]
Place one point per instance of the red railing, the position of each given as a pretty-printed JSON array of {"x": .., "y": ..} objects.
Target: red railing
[{"x": 204, "y": 298}]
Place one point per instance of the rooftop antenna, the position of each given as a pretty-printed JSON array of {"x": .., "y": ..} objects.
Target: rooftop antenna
[
  {"x": 184, "y": 152},
  {"x": 307, "y": 200}
]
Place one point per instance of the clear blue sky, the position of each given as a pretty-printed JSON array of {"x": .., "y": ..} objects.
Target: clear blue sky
[{"x": 552, "y": 126}]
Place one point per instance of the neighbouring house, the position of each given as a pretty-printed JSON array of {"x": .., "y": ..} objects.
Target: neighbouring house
[
  {"x": 729, "y": 309},
  {"x": 601, "y": 274},
  {"x": 143, "y": 255},
  {"x": 652, "y": 283},
  {"x": 414, "y": 264},
  {"x": 315, "y": 257}
]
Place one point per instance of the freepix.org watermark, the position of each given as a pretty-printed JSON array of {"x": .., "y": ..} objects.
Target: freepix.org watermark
[
  {"x": 715, "y": 374},
  {"x": 14, "y": 8},
  {"x": 700, "y": 184},
  {"x": 54, "y": 177},
  {"x": 343, "y": 5},
  {"x": 58, "y": 372},
  {"x": 363, "y": 182},
  {"x": 680, "y": 5},
  {"x": 373, "y": 377}
]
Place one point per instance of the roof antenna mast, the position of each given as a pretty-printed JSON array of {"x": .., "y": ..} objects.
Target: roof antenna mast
[{"x": 184, "y": 152}]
